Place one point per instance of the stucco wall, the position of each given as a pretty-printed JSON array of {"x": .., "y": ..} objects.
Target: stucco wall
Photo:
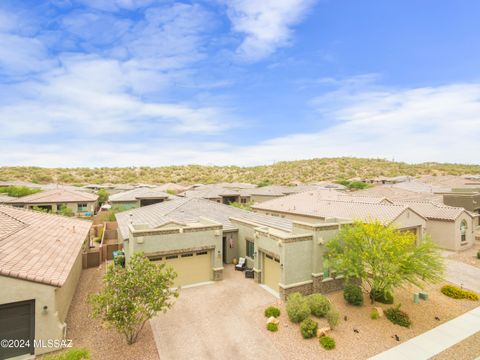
[
  {"x": 72, "y": 206},
  {"x": 470, "y": 233},
  {"x": 126, "y": 204},
  {"x": 64, "y": 295},
  {"x": 293, "y": 217},
  {"x": 245, "y": 231},
  {"x": 47, "y": 325},
  {"x": 178, "y": 241},
  {"x": 410, "y": 219},
  {"x": 297, "y": 262}
]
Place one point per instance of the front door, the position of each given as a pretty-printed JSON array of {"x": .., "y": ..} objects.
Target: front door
[{"x": 224, "y": 248}]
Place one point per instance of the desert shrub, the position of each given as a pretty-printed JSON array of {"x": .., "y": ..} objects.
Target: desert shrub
[
  {"x": 272, "y": 311},
  {"x": 272, "y": 327},
  {"x": 297, "y": 307},
  {"x": 332, "y": 318},
  {"x": 397, "y": 316},
  {"x": 71, "y": 354},
  {"x": 319, "y": 304},
  {"x": 18, "y": 191},
  {"x": 374, "y": 315},
  {"x": 327, "y": 342},
  {"x": 308, "y": 328},
  {"x": 478, "y": 254},
  {"x": 353, "y": 294},
  {"x": 457, "y": 293},
  {"x": 381, "y": 297}
]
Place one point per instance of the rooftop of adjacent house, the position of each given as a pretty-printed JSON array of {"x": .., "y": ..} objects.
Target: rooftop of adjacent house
[
  {"x": 215, "y": 191},
  {"x": 281, "y": 190},
  {"x": 189, "y": 210},
  {"x": 56, "y": 196},
  {"x": 315, "y": 204},
  {"x": 435, "y": 211},
  {"x": 394, "y": 192},
  {"x": 139, "y": 193},
  {"x": 39, "y": 247},
  {"x": 5, "y": 198}
]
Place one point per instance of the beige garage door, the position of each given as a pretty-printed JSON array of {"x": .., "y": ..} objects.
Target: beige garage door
[
  {"x": 191, "y": 268},
  {"x": 271, "y": 272}
]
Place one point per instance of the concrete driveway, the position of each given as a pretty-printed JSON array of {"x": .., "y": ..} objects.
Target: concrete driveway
[
  {"x": 462, "y": 274},
  {"x": 216, "y": 321}
]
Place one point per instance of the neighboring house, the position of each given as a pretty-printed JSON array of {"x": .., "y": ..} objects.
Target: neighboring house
[
  {"x": 197, "y": 237},
  {"x": 267, "y": 193},
  {"x": 219, "y": 193},
  {"x": 470, "y": 201},
  {"x": 80, "y": 202},
  {"x": 40, "y": 264},
  {"x": 139, "y": 197},
  {"x": 312, "y": 206},
  {"x": 452, "y": 228}
]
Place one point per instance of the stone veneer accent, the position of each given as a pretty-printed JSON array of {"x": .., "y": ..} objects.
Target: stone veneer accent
[
  {"x": 318, "y": 285},
  {"x": 218, "y": 274}
]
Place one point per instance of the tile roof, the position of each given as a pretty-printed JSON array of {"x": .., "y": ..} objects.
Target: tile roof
[
  {"x": 432, "y": 210},
  {"x": 215, "y": 191},
  {"x": 5, "y": 198},
  {"x": 188, "y": 210},
  {"x": 314, "y": 203},
  {"x": 280, "y": 190},
  {"x": 39, "y": 247},
  {"x": 393, "y": 192},
  {"x": 56, "y": 196},
  {"x": 139, "y": 193}
]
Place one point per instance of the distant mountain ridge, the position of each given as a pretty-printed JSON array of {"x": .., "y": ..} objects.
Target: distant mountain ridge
[{"x": 285, "y": 172}]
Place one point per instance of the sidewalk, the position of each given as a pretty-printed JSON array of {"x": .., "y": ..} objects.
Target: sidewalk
[{"x": 436, "y": 340}]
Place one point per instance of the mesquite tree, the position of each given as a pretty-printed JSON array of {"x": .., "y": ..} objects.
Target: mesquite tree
[
  {"x": 383, "y": 257},
  {"x": 133, "y": 295}
]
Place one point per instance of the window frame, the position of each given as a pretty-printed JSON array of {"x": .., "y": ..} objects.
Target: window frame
[{"x": 250, "y": 248}]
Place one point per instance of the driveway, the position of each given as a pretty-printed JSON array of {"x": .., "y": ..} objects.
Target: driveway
[
  {"x": 462, "y": 274},
  {"x": 216, "y": 322}
]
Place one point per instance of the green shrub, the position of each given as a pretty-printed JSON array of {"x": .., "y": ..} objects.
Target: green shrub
[
  {"x": 327, "y": 342},
  {"x": 381, "y": 297},
  {"x": 353, "y": 294},
  {"x": 397, "y": 316},
  {"x": 272, "y": 311},
  {"x": 297, "y": 307},
  {"x": 457, "y": 293},
  {"x": 18, "y": 191},
  {"x": 332, "y": 318},
  {"x": 374, "y": 315},
  {"x": 319, "y": 304},
  {"x": 71, "y": 354},
  {"x": 478, "y": 254},
  {"x": 308, "y": 328},
  {"x": 272, "y": 327}
]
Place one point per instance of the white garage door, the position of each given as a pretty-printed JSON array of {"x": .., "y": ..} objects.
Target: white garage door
[{"x": 191, "y": 268}]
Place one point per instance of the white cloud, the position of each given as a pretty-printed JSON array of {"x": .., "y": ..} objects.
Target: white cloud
[
  {"x": 266, "y": 24},
  {"x": 414, "y": 125}
]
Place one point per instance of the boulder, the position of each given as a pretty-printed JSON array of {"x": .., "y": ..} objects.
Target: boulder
[
  {"x": 379, "y": 311},
  {"x": 323, "y": 331},
  {"x": 273, "y": 320}
]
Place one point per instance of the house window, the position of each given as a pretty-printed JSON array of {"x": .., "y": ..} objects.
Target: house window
[
  {"x": 82, "y": 207},
  {"x": 463, "y": 231},
  {"x": 250, "y": 249},
  {"x": 243, "y": 200}
]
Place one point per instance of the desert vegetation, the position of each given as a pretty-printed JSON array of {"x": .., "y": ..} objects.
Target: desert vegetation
[{"x": 285, "y": 172}]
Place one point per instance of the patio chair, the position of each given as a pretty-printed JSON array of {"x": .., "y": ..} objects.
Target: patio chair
[{"x": 242, "y": 263}]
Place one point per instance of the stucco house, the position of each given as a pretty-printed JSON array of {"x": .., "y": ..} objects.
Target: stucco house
[
  {"x": 316, "y": 206},
  {"x": 142, "y": 196},
  {"x": 80, "y": 202},
  {"x": 40, "y": 264},
  {"x": 470, "y": 201},
  {"x": 270, "y": 192},
  {"x": 219, "y": 193},
  {"x": 452, "y": 228},
  {"x": 197, "y": 237}
]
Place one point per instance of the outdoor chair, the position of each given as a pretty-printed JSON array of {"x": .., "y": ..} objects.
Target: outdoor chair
[{"x": 242, "y": 263}]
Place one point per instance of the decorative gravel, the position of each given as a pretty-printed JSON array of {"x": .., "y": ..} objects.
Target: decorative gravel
[
  {"x": 468, "y": 256},
  {"x": 105, "y": 344},
  {"x": 373, "y": 336}
]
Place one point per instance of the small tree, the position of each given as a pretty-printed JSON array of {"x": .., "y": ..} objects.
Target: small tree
[
  {"x": 383, "y": 257},
  {"x": 133, "y": 295},
  {"x": 102, "y": 196},
  {"x": 65, "y": 210}
]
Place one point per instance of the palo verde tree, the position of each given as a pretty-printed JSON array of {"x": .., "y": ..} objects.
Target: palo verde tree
[
  {"x": 133, "y": 295},
  {"x": 384, "y": 258}
]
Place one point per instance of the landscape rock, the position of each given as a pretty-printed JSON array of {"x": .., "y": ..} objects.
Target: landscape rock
[
  {"x": 323, "y": 331},
  {"x": 273, "y": 320},
  {"x": 379, "y": 311}
]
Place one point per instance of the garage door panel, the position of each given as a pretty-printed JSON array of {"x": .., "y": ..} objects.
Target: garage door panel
[
  {"x": 17, "y": 322},
  {"x": 271, "y": 272},
  {"x": 191, "y": 268}
]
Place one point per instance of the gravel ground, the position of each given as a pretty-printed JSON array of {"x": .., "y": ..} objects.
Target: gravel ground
[
  {"x": 468, "y": 349},
  {"x": 374, "y": 336},
  {"x": 468, "y": 256},
  {"x": 105, "y": 344}
]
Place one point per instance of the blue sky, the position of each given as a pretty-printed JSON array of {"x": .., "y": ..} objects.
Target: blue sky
[{"x": 244, "y": 82}]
